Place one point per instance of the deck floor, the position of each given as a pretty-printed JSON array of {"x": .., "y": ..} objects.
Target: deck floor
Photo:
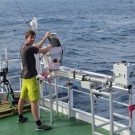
[{"x": 62, "y": 126}]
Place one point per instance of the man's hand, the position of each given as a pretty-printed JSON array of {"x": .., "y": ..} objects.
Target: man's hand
[{"x": 47, "y": 34}]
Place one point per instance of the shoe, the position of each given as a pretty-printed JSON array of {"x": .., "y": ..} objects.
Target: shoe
[
  {"x": 22, "y": 120},
  {"x": 43, "y": 127}
]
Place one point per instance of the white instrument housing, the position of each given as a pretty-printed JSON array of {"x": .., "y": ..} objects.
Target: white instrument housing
[{"x": 124, "y": 73}]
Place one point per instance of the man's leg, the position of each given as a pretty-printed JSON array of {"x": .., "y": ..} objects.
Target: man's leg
[
  {"x": 35, "y": 112},
  {"x": 21, "y": 118},
  {"x": 20, "y": 106},
  {"x": 34, "y": 96},
  {"x": 34, "y": 109},
  {"x": 23, "y": 96}
]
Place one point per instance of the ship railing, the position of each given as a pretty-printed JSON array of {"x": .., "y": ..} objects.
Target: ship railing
[{"x": 106, "y": 91}]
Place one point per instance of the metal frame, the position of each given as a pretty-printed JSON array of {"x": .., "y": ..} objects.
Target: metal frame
[{"x": 110, "y": 94}]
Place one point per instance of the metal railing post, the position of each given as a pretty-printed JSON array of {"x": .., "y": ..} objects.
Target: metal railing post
[
  {"x": 92, "y": 111},
  {"x": 111, "y": 114}
]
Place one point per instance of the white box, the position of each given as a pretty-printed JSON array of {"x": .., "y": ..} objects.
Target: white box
[{"x": 124, "y": 73}]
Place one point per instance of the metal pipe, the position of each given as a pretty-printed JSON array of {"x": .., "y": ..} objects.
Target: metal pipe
[
  {"x": 69, "y": 103},
  {"x": 101, "y": 125},
  {"x": 69, "y": 74},
  {"x": 121, "y": 129},
  {"x": 97, "y": 74},
  {"x": 51, "y": 108},
  {"x": 92, "y": 111},
  {"x": 44, "y": 108},
  {"x": 100, "y": 80},
  {"x": 101, "y": 92},
  {"x": 60, "y": 99},
  {"x": 111, "y": 114},
  {"x": 120, "y": 116},
  {"x": 56, "y": 93}
]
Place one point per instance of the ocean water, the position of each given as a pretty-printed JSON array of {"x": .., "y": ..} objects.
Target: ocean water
[{"x": 94, "y": 34}]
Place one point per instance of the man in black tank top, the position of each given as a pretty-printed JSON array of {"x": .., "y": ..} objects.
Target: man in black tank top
[{"x": 30, "y": 87}]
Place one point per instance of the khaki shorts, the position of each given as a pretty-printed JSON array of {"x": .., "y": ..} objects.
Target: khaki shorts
[{"x": 30, "y": 89}]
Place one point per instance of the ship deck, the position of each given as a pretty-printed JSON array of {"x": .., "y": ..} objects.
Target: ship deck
[{"x": 62, "y": 126}]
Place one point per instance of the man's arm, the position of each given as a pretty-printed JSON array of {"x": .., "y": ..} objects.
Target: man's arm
[
  {"x": 39, "y": 44},
  {"x": 45, "y": 50}
]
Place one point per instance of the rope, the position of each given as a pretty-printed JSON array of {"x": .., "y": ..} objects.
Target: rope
[{"x": 20, "y": 11}]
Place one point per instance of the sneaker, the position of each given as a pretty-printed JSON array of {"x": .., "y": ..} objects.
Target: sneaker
[
  {"x": 43, "y": 127},
  {"x": 22, "y": 120}
]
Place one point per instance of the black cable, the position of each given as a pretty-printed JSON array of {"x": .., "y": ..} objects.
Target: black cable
[{"x": 20, "y": 11}]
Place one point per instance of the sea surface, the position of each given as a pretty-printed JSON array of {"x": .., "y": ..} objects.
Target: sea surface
[{"x": 94, "y": 34}]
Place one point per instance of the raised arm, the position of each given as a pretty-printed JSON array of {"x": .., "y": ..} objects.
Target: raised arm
[{"x": 39, "y": 44}]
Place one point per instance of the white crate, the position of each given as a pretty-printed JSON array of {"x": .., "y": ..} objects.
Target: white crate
[{"x": 124, "y": 73}]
